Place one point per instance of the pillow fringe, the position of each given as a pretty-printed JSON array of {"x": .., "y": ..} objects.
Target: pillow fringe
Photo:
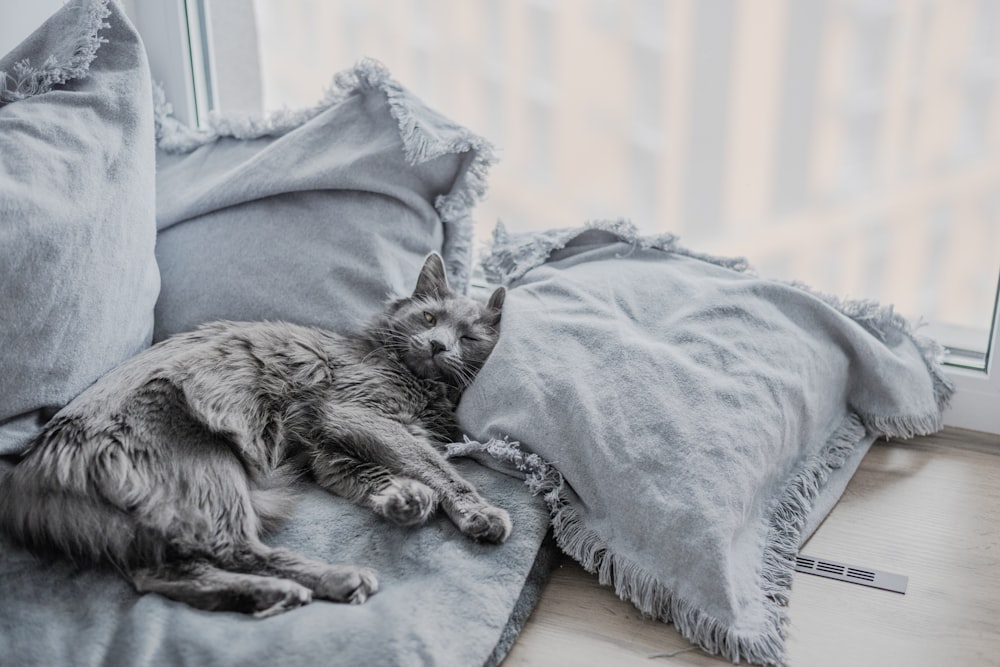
[
  {"x": 631, "y": 582},
  {"x": 455, "y": 208},
  {"x": 24, "y": 80},
  {"x": 511, "y": 256},
  {"x": 420, "y": 145},
  {"x": 882, "y": 321}
]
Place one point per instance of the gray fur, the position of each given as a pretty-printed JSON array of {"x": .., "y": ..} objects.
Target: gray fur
[{"x": 174, "y": 465}]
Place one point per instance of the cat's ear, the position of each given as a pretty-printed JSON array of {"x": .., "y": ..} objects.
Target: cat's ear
[
  {"x": 432, "y": 280},
  {"x": 495, "y": 305}
]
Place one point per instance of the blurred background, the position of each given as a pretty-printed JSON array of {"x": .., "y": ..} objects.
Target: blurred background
[{"x": 853, "y": 145}]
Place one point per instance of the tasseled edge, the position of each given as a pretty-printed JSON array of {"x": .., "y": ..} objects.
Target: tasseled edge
[
  {"x": 173, "y": 136},
  {"x": 455, "y": 208},
  {"x": 786, "y": 521},
  {"x": 645, "y": 591},
  {"x": 511, "y": 256},
  {"x": 880, "y": 321},
  {"x": 24, "y": 80},
  {"x": 419, "y": 145}
]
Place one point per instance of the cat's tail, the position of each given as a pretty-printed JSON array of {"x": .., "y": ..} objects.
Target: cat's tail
[{"x": 47, "y": 502}]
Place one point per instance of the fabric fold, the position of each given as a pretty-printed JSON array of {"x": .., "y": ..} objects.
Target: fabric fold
[
  {"x": 78, "y": 274},
  {"x": 70, "y": 41},
  {"x": 687, "y": 422},
  {"x": 425, "y": 136}
]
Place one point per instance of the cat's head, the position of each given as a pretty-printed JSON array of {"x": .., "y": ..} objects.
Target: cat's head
[{"x": 438, "y": 333}]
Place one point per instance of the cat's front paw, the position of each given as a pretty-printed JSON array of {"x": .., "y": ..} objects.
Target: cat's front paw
[
  {"x": 406, "y": 502},
  {"x": 486, "y": 523}
]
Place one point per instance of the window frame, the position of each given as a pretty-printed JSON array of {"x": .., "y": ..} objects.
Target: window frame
[
  {"x": 185, "y": 69},
  {"x": 177, "y": 63},
  {"x": 976, "y": 404}
]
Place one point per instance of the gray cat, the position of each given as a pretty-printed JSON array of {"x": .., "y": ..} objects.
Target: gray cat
[{"x": 173, "y": 465}]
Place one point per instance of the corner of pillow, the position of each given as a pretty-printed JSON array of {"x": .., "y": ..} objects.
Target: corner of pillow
[{"x": 23, "y": 80}]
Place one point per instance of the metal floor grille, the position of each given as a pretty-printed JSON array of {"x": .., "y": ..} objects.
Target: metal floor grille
[{"x": 864, "y": 576}]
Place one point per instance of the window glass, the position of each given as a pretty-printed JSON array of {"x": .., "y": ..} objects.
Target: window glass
[{"x": 853, "y": 145}]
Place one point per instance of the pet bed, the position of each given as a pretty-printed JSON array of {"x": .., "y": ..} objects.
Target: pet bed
[
  {"x": 314, "y": 216},
  {"x": 682, "y": 424}
]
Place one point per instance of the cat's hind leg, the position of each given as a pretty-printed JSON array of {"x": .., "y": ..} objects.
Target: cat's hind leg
[
  {"x": 206, "y": 586},
  {"x": 353, "y": 584}
]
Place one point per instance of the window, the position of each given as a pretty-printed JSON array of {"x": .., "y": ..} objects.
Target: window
[{"x": 849, "y": 144}]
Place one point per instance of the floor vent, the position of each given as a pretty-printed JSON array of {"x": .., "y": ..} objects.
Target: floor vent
[{"x": 855, "y": 575}]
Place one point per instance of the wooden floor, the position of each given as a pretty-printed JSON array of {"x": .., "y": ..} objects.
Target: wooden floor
[{"x": 928, "y": 508}]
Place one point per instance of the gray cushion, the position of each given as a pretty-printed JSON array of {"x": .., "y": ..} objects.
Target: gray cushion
[
  {"x": 315, "y": 216},
  {"x": 697, "y": 421},
  {"x": 78, "y": 276}
]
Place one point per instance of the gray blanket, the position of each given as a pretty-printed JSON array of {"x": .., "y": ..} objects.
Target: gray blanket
[
  {"x": 444, "y": 600},
  {"x": 688, "y": 422}
]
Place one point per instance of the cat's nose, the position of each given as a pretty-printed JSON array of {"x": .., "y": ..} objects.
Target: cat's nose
[{"x": 437, "y": 346}]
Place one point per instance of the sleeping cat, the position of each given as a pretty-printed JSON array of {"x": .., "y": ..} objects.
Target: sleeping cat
[{"x": 172, "y": 466}]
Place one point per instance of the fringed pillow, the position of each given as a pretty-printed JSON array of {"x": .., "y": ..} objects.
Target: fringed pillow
[
  {"x": 698, "y": 421},
  {"x": 78, "y": 277},
  {"x": 314, "y": 216}
]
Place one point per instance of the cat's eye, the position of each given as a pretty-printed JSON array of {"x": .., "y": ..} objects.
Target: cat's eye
[
  {"x": 429, "y": 318},
  {"x": 470, "y": 339}
]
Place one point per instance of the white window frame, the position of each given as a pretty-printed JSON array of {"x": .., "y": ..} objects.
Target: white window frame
[
  {"x": 976, "y": 405},
  {"x": 186, "y": 72},
  {"x": 177, "y": 62}
]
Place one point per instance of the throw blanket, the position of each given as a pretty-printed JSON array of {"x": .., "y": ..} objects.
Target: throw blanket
[
  {"x": 691, "y": 416},
  {"x": 444, "y": 600}
]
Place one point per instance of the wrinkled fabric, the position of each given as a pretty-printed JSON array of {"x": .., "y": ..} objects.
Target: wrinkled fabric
[
  {"x": 443, "y": 599},
  {"x": 315, "y": 216},
  {"x": 78, "y": 275},
  {"x": 316, "y": 220},
  {"x": 691, "y": 415}
]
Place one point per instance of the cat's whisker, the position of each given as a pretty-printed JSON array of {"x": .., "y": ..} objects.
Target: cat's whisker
[
  {"x": 371, "y": 354},
  {"x": 389, "y": 335},
  {"x": 392, "y": 342},
  {"x": 459, "y": 372}
]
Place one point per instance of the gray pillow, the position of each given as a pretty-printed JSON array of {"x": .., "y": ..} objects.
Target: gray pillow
[
  {"x": 78, "y": 276},
  {"x": 313, "y": 216},
  {"x": 697, "y": 421}
]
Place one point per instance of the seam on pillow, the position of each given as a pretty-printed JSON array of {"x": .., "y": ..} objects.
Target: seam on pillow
[{"x": 29, "y": 80}]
